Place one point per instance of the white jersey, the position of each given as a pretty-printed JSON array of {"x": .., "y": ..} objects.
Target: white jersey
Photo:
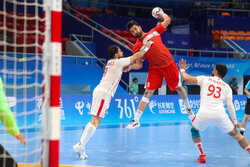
[
  {"x": 112, "y": 75},
  {"x": 213, "y": 92}
]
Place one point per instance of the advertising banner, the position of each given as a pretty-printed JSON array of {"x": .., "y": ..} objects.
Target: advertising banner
[
  {"x": 205, "y": 65},
  {"x": 75, "y": 109}
]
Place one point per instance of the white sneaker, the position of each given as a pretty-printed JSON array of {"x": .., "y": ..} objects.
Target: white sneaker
[
  {"x": 80, "y": 151},
  {"x": 133, "y": 124},
  {"x": 190, "y": 113}
]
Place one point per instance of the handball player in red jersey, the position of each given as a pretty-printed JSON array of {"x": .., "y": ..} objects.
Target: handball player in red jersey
[{"x": 161, "y": 65}]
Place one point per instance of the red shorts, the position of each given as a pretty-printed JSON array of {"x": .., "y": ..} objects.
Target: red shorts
[{"x": 170, "y": 73}]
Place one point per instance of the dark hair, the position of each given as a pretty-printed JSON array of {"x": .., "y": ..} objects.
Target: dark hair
[
  {"x": 222, "y": 69},
  {"x": 112, "y": 50},
  {"x": 135, "y": 79},
  {"x": 131, "y": 23}
]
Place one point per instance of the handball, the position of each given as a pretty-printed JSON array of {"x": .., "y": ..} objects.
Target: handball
[{"x": 156, "y": 10}]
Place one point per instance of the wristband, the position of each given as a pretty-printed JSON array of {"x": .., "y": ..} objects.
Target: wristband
[
  {"x": 182, "y": 70},
  {"x": 146, "y": 49}
]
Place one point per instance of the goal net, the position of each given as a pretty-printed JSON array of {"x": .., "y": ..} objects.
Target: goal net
[{"x": 30, "y": 69}]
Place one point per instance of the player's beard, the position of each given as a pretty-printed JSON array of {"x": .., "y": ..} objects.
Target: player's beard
[
  {"x": 212, "y": 74},
  {"x": 120, "y": 56},
  {"x": 138, "y": 35}
]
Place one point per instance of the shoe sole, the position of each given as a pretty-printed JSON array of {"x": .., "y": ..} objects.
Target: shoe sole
[
  {"x": 133, "y": 127},
  {"x": 79, "y": 154}
]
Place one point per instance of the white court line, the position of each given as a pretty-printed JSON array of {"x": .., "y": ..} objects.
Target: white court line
[
  {"x": 185, "y": 154},
  {"x": 120, "y": 151},
  {"x": 152, "y": 152},
  {"x": 232, "y": 156},
  {"x": 168, "y": 153},
  {"x": 104, "y": 150}
]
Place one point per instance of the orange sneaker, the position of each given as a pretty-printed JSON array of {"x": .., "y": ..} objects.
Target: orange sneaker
[{"x": 202, "y": 159}]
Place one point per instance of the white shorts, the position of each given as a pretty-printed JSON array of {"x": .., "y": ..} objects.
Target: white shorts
[
  {"x": 100, "y": 103},
  {"x": 222, "y": 121}
]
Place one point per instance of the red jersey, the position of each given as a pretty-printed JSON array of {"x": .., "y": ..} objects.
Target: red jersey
[{"x": 158, "y": 55}]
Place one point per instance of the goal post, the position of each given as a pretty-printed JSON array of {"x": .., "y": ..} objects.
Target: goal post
[
  {"x": 51, "y": 108},
  {"x": 30, "y": 68}
]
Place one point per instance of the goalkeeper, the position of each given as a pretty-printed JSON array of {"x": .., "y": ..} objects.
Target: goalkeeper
[{"x": 10, "y": 125}]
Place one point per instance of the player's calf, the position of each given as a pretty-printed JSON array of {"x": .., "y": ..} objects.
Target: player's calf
[{"x": 241, "y": 140}]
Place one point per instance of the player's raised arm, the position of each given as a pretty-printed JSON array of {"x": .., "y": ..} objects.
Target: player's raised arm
[
  {"x": 163, "y": 16},
  {"x": 184, "y": 75}
]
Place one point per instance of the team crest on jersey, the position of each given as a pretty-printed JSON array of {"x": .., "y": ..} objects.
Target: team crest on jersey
[{"x": 149, "y": 36}]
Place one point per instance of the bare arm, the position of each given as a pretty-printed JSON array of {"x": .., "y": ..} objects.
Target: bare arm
[
  {"x": 185, "y": 76},
  {"x": 247, "y": 92},
  {"x": 138, "y": 65},
  {"x": 137, "y": 58},
  {"x": 139, "y": 55},
  {"x": 166, "y": 19}
]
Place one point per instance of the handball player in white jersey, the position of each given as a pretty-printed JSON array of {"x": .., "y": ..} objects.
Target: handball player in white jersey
[
  {"x": 213, "y": 93},
  {"x": 105, "y": 90}
]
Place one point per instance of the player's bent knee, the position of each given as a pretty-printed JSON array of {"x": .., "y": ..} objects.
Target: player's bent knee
[
  {"x": 194, "y": 132},
  {"x": 236, "y": 135},
  {"x": 145, "y": 99}
]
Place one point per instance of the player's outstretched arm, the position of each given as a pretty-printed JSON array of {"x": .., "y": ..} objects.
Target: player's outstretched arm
[
  {"x": 166, "y": 19},
  {"x": 136, "y": 60},
  {"x": 139, "y": 55},
  {"x": 138, "y": 65},
  {"x": 185, "y": 76}
]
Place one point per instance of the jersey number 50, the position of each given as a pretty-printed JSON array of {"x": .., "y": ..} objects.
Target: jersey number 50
[{"x": 215, "y": 91}]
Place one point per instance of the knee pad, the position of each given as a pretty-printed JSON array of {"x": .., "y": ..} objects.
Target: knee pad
[
  {"x": 145, "y": 99},
  {"x": 194, "y": 132}
]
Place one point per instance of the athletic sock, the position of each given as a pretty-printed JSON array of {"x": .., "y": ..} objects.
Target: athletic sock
[
  {"x": 138, "y": 115},
  {"x": 87, "y": 133},
  {"x": 199, "y": 148},
  {"x": 248, "y": 149},
  {"x": 186, "y": 103}
]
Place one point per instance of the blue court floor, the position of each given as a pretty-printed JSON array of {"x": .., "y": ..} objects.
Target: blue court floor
[{"x": 168, "y": 145}]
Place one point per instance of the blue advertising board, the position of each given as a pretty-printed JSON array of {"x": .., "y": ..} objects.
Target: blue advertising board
[
  {"x": 75, "y": 109},
  {"x": 205, "y": 66},
  {"x": 161, "y": 109}
]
